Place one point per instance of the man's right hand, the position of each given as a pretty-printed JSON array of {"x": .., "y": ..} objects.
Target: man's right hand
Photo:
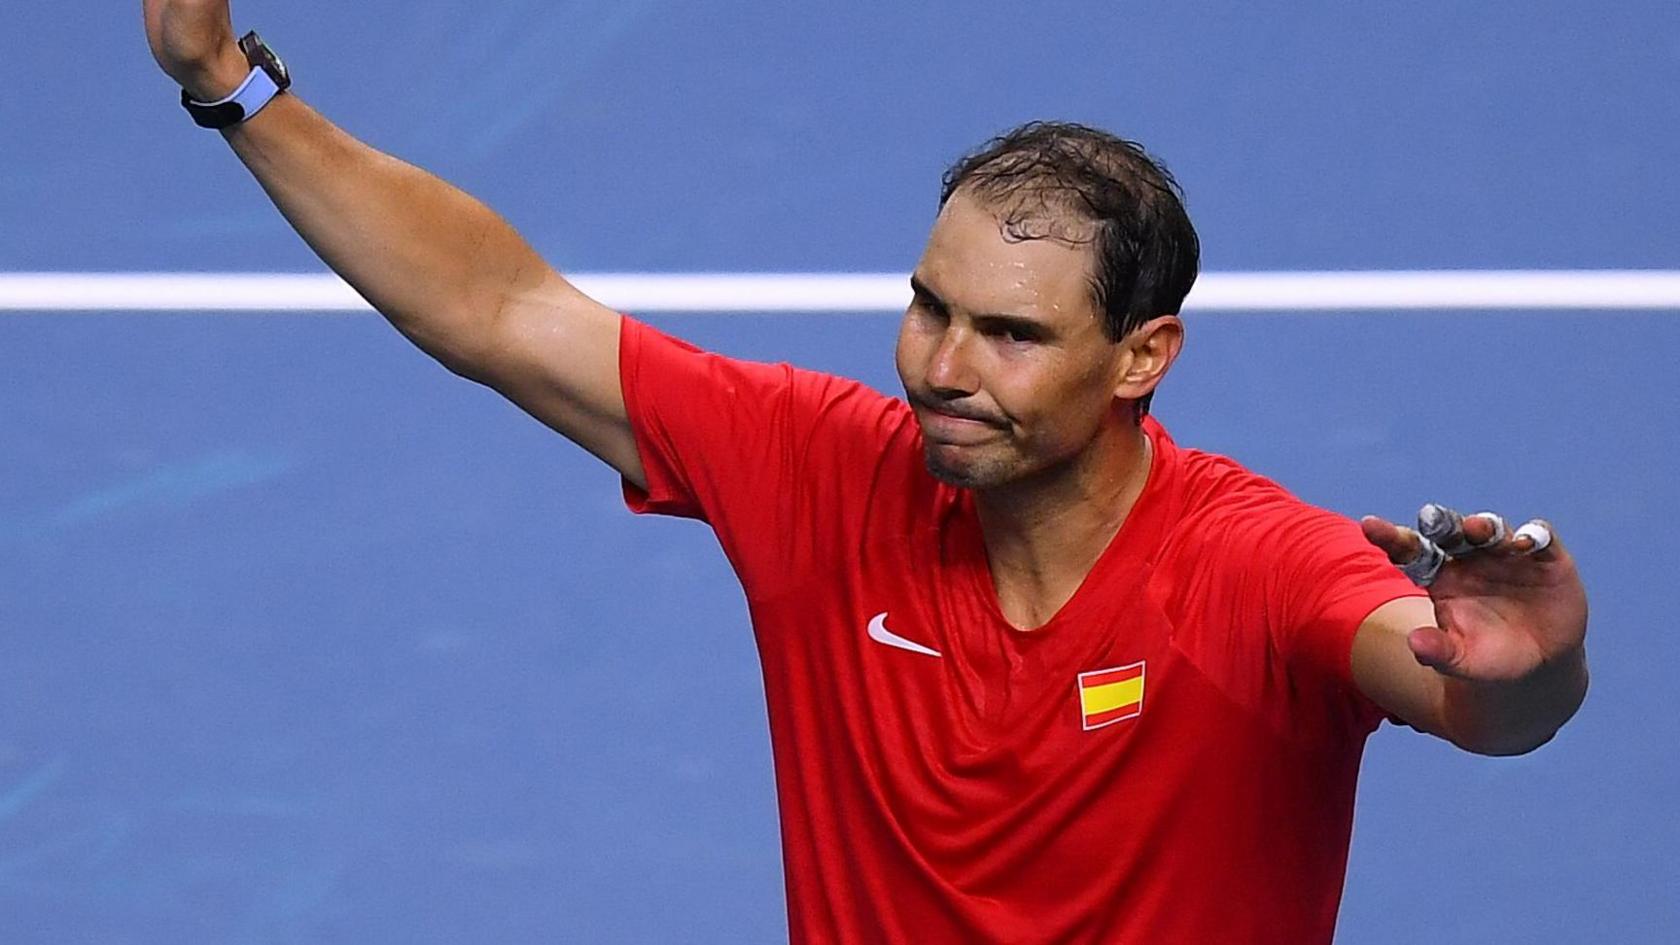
[{"x": 194, "y": 43}]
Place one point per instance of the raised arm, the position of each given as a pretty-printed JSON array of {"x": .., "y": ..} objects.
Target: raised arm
[{"x": 443, "y": 268}]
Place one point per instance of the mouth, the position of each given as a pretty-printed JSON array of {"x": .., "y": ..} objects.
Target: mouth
[
  {"x": 954, "y": 428},
  {"x": 956, "y": 414}
]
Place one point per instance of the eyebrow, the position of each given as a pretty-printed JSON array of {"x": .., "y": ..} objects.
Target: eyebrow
[
  {"x": 920, "y": 288},
  {"x": 1006, "y": 321}
]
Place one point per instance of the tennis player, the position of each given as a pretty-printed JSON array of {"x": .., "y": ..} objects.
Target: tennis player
[{"x": 1035, "y": 672}]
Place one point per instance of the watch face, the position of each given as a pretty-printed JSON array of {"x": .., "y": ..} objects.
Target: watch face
[{"x": 260, "y": 56}]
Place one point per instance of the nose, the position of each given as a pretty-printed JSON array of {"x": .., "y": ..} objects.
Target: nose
[{"x": 950, "y": 374}]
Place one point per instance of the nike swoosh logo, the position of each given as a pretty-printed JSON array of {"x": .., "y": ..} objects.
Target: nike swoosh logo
[{"x": 880, "y": 634}]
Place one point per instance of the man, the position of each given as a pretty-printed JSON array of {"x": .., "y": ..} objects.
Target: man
[{"x": 1035, "y": 673}]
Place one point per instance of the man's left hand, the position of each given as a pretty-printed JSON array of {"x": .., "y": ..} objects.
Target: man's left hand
[{"x": 1509, "y": 603}]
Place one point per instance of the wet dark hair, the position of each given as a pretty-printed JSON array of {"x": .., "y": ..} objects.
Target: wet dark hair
[{"x": 1124, "y": 202}]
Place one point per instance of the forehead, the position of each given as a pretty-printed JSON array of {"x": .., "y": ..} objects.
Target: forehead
[{"x": 983, "y": 258}]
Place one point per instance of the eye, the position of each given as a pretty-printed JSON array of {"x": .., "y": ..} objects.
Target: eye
[{"x": 1014, "y": 334}]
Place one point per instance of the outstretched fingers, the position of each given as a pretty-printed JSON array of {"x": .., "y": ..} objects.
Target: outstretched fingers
[
  {"x": 1443, "y": 534},
  {"x": 1460, "y": 535},
  {"x": 1465, "y": 535}
]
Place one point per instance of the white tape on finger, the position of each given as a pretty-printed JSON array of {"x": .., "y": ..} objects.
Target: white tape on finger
[
  {"x": 1537, "y": 532},
  {"x": 1499, "y": 529}
]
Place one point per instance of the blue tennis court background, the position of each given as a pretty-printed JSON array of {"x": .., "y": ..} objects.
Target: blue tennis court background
[{"x": 303, "y": 639}]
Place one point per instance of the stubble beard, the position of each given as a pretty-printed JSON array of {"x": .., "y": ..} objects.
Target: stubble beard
[
  {"x": 984, "y": 473},
  {"x": 991, "y": 472}
]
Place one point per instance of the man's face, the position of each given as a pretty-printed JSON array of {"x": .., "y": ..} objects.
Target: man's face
[{"x": 1002, "y": 352}]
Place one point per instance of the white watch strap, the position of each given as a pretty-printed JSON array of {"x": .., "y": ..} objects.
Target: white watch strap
[{"x": 257, "y": 90}]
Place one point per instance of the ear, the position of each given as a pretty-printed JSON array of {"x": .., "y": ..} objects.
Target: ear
[{"x": 1149, "y": 351}]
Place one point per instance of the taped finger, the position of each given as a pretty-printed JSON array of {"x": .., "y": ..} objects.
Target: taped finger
[
  {"x": 1423, "y": 568},
  {"x": 1499, "y": 530},
  {"x": 1444, "y": 527},
  {"x": 1538, "y": 533}
]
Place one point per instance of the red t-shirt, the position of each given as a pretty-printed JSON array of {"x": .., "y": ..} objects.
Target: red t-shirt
[{"x": 1171, "y": 759}]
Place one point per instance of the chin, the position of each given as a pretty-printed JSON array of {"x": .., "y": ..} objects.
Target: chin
[{"x": 972, "y": 474}]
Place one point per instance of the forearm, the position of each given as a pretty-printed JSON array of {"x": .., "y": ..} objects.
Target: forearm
[
  {"x": 433, "y": 260},
  {"x": 1511, "y": 718}
]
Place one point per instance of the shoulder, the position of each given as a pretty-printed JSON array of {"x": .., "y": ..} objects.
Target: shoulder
[
  {"x": 1241, "y": 534},
  {"x": 1217, "y": 492},
  {"x": 1232, "y": 524},
  {"x": 684, "y": 377}
]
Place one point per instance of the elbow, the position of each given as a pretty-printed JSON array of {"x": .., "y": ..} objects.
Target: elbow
[
  {"x": 465, "y": 364},
  {"x": 467, "y": 347},
  {"x": 465, "y": 367}
]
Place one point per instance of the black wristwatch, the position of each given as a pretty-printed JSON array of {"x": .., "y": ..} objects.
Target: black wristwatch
[{"x": 267, "y": 79}]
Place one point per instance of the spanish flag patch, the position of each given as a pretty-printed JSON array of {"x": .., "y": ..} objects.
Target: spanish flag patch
[{"x": 1111, "y": 695}]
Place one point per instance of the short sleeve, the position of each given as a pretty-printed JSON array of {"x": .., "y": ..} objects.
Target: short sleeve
[
  {"x": 740, "y": 445},
  {"x": 1266, "y": 593},
  {"x": 1325, "y": 578}
]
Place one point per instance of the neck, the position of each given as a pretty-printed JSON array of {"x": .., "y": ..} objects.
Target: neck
[{"x": 1044, "y": 534}]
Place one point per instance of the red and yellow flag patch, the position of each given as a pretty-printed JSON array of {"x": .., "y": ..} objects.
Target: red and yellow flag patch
[{"x": 1111, "y": 695}]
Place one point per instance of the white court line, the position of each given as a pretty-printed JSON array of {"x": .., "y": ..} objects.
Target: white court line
[{"x": 1581, "y": 289}]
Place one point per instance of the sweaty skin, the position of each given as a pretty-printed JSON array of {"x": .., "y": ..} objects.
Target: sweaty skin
[{"x": 1023, "y": 398}]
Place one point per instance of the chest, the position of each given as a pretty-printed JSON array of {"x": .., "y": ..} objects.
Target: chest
[
  {"x": 916, "y": 673},
  {"x": 905, "y": 708},
  {"x": 911, "y": 716}
]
